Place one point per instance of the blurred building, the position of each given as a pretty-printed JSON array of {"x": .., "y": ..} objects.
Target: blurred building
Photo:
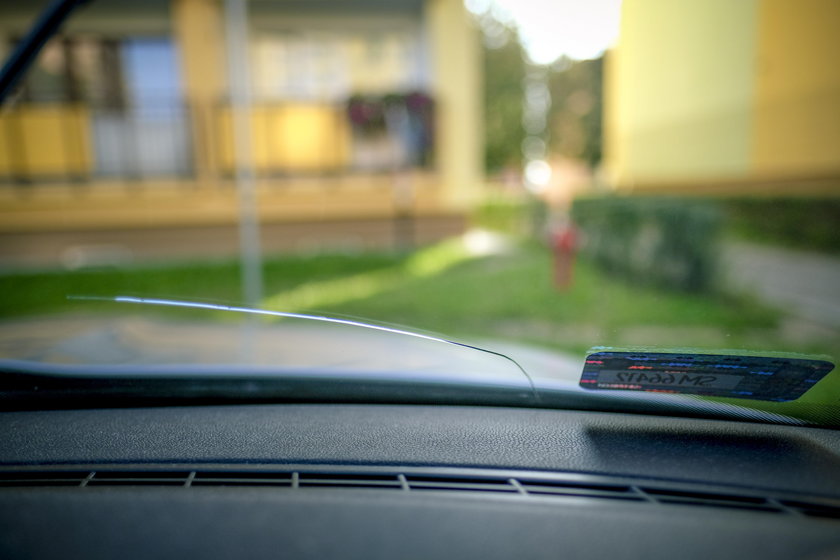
[
  {"x": 366, "y": 113},
  {"x": 723, "y": 96}
]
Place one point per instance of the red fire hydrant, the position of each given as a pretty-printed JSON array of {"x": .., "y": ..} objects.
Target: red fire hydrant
[{"x": 564, "y": 246}]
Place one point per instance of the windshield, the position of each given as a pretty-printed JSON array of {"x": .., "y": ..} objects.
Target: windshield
[{"x": 536, "y": 182}]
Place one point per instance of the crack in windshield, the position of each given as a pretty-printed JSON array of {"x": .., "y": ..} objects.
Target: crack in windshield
[{"x": 309, "y": 317}]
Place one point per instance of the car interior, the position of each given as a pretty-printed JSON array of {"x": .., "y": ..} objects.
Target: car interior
[
  {"x": 122, "y": 460},
  {"x": 414, "y": 481}
]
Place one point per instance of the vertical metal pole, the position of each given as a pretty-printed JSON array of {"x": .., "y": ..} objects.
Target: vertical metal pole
[{"x": 236, "y": 33}]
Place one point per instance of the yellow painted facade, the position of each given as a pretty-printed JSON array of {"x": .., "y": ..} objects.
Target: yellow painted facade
[
  {"x": 302, "y": 148},
  {"x": 722, "y": 96},
  {"x": 197, "y": 30},
  {"x": 293, "y": 137},
  {"x": 796, "y": 125},
  {"x": 456, "y": 60},
  {"x": 32, "y": 141},
  {"x": 173, "y": 204}
]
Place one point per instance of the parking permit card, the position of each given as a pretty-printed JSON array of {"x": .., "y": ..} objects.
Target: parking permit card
[{"x": 713, "y": 375}]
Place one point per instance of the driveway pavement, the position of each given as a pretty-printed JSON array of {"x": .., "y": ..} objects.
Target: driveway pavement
[{"x": 804, "y": 284}]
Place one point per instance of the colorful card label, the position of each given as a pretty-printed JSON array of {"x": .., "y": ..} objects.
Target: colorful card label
[{"x": 713, "y": 375}]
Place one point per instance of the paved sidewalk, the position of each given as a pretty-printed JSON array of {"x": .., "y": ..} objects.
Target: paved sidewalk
[{"x": 805, "y": 284}]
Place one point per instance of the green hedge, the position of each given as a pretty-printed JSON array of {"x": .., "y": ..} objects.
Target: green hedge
[
  {"x": 669, "y": 242},
  {"x": 806, "y": 223}
]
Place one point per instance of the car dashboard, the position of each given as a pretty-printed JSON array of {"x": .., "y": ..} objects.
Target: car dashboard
[{"x": 411, "y": 481}]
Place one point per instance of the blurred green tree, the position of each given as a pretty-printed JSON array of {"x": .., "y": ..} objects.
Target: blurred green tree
[
  {"x": 504, "y": 70},
  {"x": 576, "y": 109}
]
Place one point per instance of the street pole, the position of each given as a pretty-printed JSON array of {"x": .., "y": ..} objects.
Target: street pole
[{"x": 236, "y": 39}]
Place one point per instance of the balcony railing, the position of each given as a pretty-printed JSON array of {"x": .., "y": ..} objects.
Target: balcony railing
[{"x": 75, "y": 142}]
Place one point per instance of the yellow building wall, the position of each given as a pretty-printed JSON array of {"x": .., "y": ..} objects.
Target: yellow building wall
[
  {"x": 679, "y": 90},
  {"x": 291, "y": 137},
  {"x": 287, "y": 137},
  {"x": 725, "y": 96},
  {"x": 797, "y": 105},
  {"x": 45, "y": 140},
  {"x": 197, "y": 29},
  {"x": 456, "y": 88}
]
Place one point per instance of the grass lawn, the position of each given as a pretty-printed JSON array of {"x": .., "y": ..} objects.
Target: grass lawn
[{"x": 439, "y": 288}]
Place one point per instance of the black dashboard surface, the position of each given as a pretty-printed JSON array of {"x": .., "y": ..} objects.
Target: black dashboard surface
[
  {"x": 223, "y": 521},
  {"x": 750, "y": 454}
]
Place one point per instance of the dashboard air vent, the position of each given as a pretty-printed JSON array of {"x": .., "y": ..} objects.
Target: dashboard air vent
[{"x": 527, "y": 484}]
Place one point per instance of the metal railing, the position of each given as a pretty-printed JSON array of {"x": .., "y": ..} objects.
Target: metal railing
[{"x": 75, "y": 142}]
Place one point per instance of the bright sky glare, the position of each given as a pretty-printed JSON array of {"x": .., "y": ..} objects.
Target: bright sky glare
[{"x": 579, "y": 29}]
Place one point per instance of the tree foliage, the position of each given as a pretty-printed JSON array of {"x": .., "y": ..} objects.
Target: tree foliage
[
  {"x": 504, "y": 70},
  {"x": 576, "y": 109},
  {"x": 576, "y": 89}
]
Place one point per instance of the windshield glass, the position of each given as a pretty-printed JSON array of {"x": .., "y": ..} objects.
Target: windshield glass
[
  {"x": 249, "y": 339},
  {"x": 531, "y": 179}
]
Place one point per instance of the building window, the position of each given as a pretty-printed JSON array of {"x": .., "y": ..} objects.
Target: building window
[{"x": 332, "y": 66}]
